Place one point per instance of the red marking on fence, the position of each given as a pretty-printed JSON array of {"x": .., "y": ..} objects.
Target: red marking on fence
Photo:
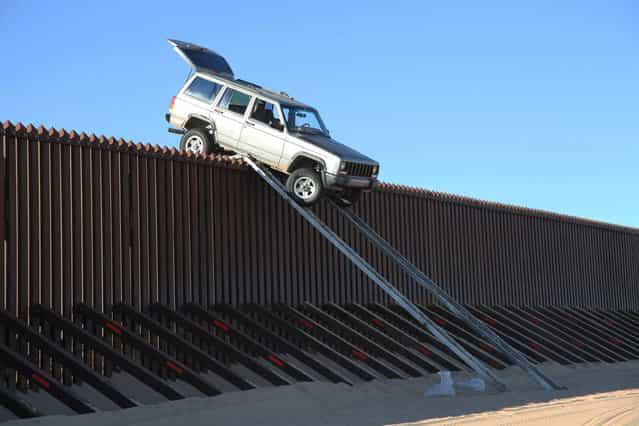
[
  {"x": 577, "y": 343},
  {"x": 221, "y": 325},
  {"x": 425, "y": 351},
  {"x": 534, "y": 320},
  {"x": 485, "y": 346},
  {"x": 113, "y": 327},
  {"x": 173, "y": 366},
  {"x": 534, "y": 346},
  {"x": 275, "y": 360},
  {"x": 360, "y": 355},
  {"x": 307, "y": 324},
  {"x": 611, "y": 323},
  {"x": 41, "y": 381},
  {"x": 378, "y": 322},
  {"x": 616, "y": 341},
  {"x": 491, "y": 321},
  {"x": 439, "y": 320}
]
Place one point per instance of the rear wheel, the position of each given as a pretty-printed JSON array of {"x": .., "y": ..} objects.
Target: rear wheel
[
  {"x": 197, "y": 141},
  {"x": 305, "y": 185},
  {"x": 348, "y": 197}
]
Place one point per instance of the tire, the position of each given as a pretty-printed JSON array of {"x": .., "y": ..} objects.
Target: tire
[
  {"x": 197, "y": 141},
  {"x": 348, "y": 198},
  {"x": 305, "y": 185}
]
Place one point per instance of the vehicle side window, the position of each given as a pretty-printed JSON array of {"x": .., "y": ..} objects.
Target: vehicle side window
[
  {"x": 235, "y": 101},
  {"x": 267, "y": 113},
  {"x": 203, "y": 90}
]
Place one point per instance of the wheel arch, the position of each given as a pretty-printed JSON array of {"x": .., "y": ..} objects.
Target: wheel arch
[
  {"x": 305, "y": 159},
  {"x": 196, "y": 120}
]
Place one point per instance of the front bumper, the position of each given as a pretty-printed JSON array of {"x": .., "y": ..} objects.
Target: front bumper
[{"x": 332, "y": 181}]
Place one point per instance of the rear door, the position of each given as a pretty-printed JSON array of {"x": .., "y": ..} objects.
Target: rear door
[
  {"x": 202, "y": 59},
  {"x": 229, "y": 116}
]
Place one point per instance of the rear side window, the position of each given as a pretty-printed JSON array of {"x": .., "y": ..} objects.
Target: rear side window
[
  {"x": 203, "y": 90},
  {"x": 235, "y": 101}
]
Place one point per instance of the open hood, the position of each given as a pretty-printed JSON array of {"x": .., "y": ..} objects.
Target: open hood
[{"x": 202, "y": 59}]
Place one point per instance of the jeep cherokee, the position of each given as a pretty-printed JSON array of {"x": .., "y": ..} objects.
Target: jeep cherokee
[{"x": 215, "y": 112}]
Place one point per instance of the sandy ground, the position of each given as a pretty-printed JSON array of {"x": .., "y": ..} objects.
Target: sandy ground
[
  {"x": 597, "y": 394},
  {"x": 610, "y": 408}
]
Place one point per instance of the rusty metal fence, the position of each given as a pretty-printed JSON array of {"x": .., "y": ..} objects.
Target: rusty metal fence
[{"x": 101, "y": 220}]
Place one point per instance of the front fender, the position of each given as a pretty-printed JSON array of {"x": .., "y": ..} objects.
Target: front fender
[{"x": 304, "y": 154}]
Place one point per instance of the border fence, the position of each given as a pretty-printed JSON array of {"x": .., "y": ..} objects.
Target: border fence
[
  {"x": 96, "y": 220},
  {"x": 132, "y": 274}
]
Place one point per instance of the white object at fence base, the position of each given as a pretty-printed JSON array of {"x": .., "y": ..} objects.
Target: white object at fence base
[
  {"x": 444, "y": 388},
  {"x": 475, "y": 384}
]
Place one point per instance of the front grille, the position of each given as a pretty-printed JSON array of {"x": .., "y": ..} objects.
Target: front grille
[{"x": 357, "y": 169}]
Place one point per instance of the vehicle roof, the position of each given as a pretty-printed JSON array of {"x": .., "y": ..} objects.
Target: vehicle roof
[{"x": 271, "y": 95}]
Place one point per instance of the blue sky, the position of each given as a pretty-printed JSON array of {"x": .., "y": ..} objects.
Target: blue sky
[{"x": 534, "y": 104}]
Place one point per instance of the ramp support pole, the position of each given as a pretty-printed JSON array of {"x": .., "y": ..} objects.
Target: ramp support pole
[
  {"x": 442, "y": 297},
  {"x": 378, "y": 279}
]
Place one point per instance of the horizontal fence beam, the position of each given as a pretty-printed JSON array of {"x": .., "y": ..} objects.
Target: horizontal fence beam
[
  {"x": 234, "y": 353},
  {"x": 73, "y": 331},
  {"x": 282, "y": 344},
  {"x": 131, "y": 338},
  {"x": 68, "y": 360},
  {"x": 17, "y": 406},
  {"x": 54, "y": 388},
  {"x": 174, "y": 339}
]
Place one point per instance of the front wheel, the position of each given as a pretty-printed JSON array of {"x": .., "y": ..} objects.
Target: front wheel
[
  {"x": 347, "y": 198},
  {"x": 305, "y": 185}
]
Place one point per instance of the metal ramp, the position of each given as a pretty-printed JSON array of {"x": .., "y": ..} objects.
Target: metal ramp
[{"x": 442, "y": 297}]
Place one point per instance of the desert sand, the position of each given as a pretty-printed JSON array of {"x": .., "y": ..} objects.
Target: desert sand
[{"x": 597, "y": 394}]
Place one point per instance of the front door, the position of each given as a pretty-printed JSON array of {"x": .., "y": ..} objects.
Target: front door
[
  {"x": 229, "y": 116},
  {"x": 263, "y": 134}
]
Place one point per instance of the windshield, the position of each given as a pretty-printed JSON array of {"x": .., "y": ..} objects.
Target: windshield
[{"x": 301, "y": 119}]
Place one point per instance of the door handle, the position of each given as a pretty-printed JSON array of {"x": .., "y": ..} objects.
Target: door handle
[
  {"x": 219, "y": 111},
  {"x": 249, "y": 124}
]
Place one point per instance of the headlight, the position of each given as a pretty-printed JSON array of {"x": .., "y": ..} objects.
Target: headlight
[
  {"x": 375, "y": 170},
  {"x": 342, "y": 168}
]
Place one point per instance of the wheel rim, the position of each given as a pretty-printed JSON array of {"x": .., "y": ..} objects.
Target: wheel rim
[
  {"x": 194, "y": 144},
  {"x": 304, "y": 187}
]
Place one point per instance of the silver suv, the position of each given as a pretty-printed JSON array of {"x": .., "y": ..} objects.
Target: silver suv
[{"x": 215, "y": 112}]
